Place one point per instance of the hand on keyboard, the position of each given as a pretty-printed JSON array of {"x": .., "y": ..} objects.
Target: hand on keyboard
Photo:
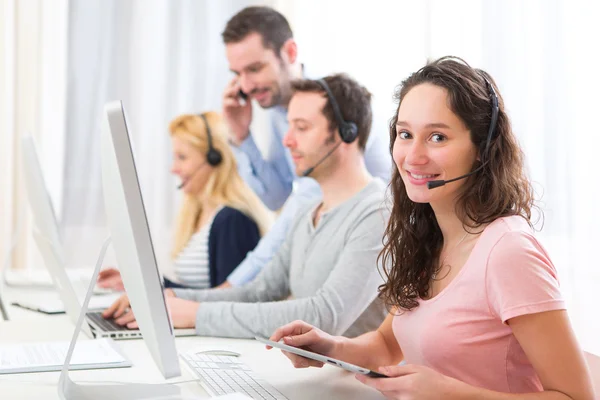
[{"x": 182, "y": 312}]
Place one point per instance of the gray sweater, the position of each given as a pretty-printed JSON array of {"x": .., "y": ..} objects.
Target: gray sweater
[{"x": 325, "y": 275}]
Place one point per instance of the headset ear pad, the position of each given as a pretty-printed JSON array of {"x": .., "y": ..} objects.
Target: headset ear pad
[
  {"x": 348, "y": 132},
  {"x": 214, "y": 157}
]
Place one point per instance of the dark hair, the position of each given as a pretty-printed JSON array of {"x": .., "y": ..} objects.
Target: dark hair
[
  {"x": 413, "y": 240},
  {"x": 270, "y": 24},
  {"x": 354, "y": 102}
]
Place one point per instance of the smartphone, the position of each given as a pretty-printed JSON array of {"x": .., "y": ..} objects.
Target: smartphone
[
  {"x": 322, "y": 358},
  {"x": 242, "y": 95}
]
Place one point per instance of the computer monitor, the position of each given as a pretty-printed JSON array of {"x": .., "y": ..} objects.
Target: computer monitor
[
  {"x": 132, "y": 241},
  {"x": 45, "y": 231},
  {"x": 39, "y": 198}
]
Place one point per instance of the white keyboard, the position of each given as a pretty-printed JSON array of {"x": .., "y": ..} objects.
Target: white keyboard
[{"x": 221, "y": 375}]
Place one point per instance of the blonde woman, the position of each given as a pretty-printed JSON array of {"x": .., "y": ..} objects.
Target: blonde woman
[{"x": 220, "y": 219}]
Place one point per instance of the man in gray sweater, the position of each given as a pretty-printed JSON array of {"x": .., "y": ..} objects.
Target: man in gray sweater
[{"x": 326, "y": 271}]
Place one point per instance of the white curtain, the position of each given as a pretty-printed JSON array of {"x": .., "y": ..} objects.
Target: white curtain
[
  {"x": 543, "y": 55},
  {"x": 32, "y": 101},
  {"x": 7, "y": 126},
  {"x": 161, "y": 58}
]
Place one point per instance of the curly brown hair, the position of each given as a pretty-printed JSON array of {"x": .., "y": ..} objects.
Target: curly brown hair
[{"x": 413, "y": 240}]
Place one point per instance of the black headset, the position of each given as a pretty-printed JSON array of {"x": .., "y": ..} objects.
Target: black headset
[
  {"x": 495, "y": 111},
  {"x": 213, "y": 156},
  {"x": 348, "y": 129}
]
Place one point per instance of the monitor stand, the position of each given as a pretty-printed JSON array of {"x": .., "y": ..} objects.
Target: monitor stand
[
  {"x": 3, "y": 308},
  {"x": 69, "y": 390},
  {"x": 4, "y": 267}
]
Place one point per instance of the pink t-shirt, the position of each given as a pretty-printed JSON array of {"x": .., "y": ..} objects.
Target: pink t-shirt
[{"x": 462, "y": 333}]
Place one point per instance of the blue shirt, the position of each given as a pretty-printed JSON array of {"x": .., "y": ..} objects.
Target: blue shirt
[{"x": 273, "y": 180}]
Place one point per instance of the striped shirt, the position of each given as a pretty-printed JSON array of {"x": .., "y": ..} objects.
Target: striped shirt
[{"x": 192, "y": 264}]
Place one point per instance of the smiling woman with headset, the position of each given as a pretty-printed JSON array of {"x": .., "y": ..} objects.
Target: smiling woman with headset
[
  {"x": 220, "y": 219},
  {"x": 475, "y": 305}
]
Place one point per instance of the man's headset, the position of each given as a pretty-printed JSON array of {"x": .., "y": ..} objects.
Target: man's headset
[{"x": 347, "y": 129}]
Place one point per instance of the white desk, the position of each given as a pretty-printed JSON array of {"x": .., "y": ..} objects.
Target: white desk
[{"x": 29, "y": 326}]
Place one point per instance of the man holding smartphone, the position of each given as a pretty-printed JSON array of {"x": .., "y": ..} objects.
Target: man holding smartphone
[{"x": 263, "y": 55}]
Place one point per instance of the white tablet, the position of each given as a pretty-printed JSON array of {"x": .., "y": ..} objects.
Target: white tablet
[{"x": 322, "y": 358}]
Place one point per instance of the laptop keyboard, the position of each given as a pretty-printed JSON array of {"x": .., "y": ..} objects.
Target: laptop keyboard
[
  {"x": 221, "y": 375},
  {"x": 108, "y": 325}
]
